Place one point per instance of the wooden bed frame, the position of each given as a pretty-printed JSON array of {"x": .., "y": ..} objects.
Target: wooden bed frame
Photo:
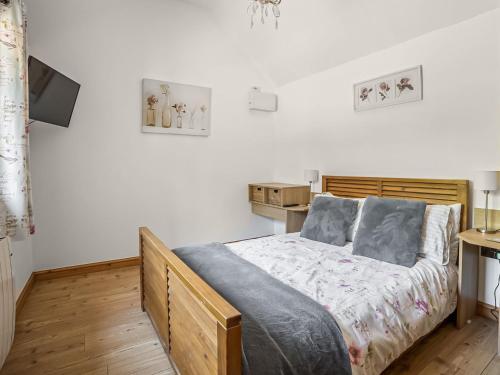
[{"x": 201, "y": 331}]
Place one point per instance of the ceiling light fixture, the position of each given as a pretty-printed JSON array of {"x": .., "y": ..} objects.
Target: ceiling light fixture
[{"x": 263, "y": 7}]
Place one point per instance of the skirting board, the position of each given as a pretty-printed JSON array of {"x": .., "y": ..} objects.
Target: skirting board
[
  {"x": 484, "y": 310},
  {"x": 86, "y": 268},
  {"x": 21, "y": 299}
]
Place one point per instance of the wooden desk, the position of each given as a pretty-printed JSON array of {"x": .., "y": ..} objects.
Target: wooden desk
[
  {"x": 293, "y": 217},
  {"x": 471, "y": 242}
]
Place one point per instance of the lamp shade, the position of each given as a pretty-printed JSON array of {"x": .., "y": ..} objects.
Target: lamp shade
[
  {"x": 486, "y": 181},
  {"x": 311, "y": 175}
]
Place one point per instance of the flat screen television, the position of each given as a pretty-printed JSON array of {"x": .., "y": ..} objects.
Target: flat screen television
[{"x": 52, "y": 95}]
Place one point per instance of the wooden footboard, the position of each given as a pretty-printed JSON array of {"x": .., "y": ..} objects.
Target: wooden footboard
[{"x": 198, "y": 329}]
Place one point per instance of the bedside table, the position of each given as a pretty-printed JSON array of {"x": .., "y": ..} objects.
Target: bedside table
[
  {"x": 471, "y": 242},
  {"x": 283, "y": 202},
  {"x": 293, "y": 217}
]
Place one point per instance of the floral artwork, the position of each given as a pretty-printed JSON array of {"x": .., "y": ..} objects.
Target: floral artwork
[
  {"x": 365, "y": 94},
  {"x": 404, "y": 84},
  {"x": 180, "y": 108},
  {"x": 396, "y": 88},
  {"x": 174, "y": 108},
  {"x": 152, "y": 100},
  {"x": 384, "y": 89},
  {"x": 151, "y": 110}
]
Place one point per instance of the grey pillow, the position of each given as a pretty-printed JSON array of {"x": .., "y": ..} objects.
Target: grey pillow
[
  {"x": 329, "y": 219},
  {"x": 390, "y": 230}
]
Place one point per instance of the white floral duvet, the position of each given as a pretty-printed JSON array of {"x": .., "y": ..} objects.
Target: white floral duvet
[{"x": 381, "y": 308}]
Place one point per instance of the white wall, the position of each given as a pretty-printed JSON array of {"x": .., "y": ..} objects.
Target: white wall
[
  {"x": 95, "y": 183},
  {"x": 452, "y": 133}
]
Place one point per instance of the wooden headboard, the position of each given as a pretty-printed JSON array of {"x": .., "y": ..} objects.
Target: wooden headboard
[{"x": 428, "y": 190}]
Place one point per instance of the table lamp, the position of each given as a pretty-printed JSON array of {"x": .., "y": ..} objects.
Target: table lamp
[
  {"x": 311, "y": 176},
  {"x": 486, "y": 181}
]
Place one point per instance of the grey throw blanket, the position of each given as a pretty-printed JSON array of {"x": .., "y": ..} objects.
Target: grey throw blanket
[{"x": 284, "y": 331}]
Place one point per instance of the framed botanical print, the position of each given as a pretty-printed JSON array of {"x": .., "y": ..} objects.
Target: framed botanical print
[{"x": 396, "y": 88}]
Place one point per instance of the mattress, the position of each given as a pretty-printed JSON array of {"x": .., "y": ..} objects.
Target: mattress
[{"x": 381, "y": 308}]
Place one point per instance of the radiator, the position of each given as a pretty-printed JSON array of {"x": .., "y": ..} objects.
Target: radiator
[{"x": 7, "y": 304}]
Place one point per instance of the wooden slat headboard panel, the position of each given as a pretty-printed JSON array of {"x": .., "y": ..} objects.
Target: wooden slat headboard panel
[{"x": 429, "y": 190}]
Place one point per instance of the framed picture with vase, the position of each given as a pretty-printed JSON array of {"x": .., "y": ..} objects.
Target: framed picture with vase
[{"x": 175, "y": 108}]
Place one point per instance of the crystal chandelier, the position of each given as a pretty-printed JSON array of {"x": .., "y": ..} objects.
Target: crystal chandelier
[{"x": 261, "y": 8}]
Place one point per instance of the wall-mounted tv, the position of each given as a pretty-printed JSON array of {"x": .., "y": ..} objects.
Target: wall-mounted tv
[{"x": 52, "y": 94}]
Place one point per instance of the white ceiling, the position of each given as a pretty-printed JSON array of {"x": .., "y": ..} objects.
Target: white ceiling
[{"x": 315, "y": 35}]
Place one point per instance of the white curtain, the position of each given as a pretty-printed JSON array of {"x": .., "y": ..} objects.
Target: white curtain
[{"x": 15, "y": 186}]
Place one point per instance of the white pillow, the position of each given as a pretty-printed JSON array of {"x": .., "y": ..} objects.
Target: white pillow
[
  {"x": 436, "y": 233},
  {"x": 353, "y": 229},
  {"x": 456, "y": 210}
]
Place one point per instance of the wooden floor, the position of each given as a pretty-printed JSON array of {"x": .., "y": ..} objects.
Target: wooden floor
[
  {"x": 93, "y": 324},
  {"x": 469, "y": 351},
  {"x": 90, "y": 324}
]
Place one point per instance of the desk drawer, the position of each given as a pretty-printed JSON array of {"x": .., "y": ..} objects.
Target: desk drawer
[
  {"x": 276, "y": 213},
  {"x": 274, "y": 196},
  {"x": 257, "y": 194}
]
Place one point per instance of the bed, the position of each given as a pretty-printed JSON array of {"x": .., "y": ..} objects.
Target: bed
[{"x": 382, "y": 309}]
